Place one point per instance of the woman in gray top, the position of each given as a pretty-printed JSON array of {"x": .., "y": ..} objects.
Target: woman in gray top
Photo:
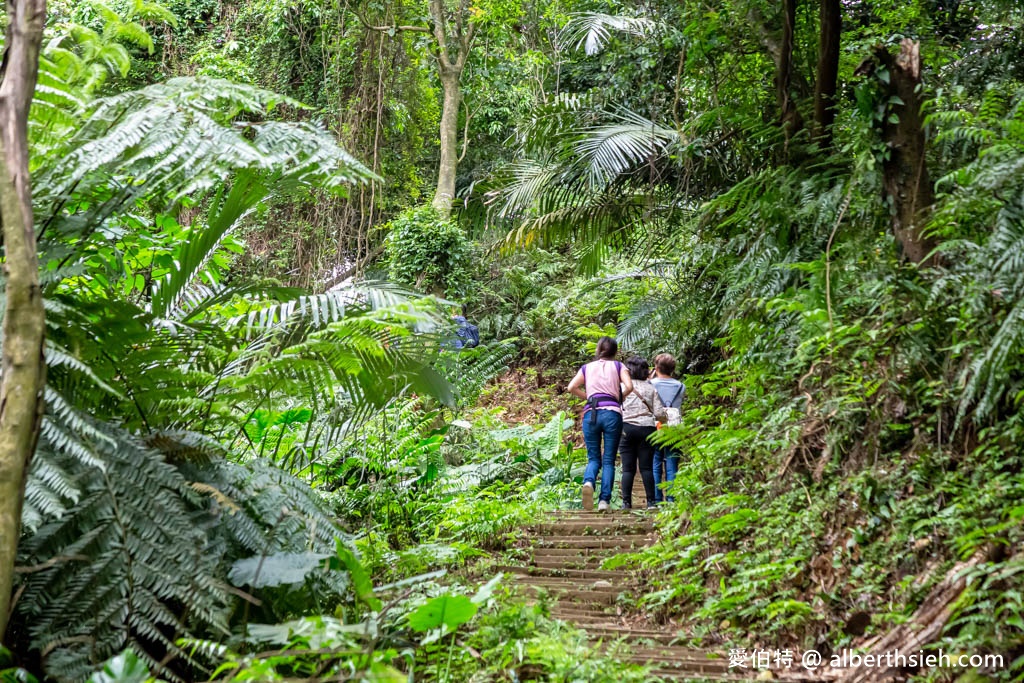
[{"x": 640, "y": 410}]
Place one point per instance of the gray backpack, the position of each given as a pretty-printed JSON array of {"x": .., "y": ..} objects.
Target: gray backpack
[{"x": 674, "y": 415}]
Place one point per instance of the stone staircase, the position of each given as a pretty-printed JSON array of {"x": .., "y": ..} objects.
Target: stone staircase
[{"x": 563, "y": 555}]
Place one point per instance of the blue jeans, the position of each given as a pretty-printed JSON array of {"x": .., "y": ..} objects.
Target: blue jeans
[
  {"x": 671, "y": 462},
  {"x": 607, "y": 425}
]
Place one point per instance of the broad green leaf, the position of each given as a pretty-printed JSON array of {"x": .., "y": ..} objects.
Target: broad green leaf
[{"x": 445, "y": 610}]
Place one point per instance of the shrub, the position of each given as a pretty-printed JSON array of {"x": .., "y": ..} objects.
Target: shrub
[{"x": 428, "y": 253}]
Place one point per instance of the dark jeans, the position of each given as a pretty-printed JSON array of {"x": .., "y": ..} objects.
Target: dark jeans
[
  {"x": 666, "y": 464},
  {"x": 636, "y": 450},
  {"x": 607, "y": 426}
]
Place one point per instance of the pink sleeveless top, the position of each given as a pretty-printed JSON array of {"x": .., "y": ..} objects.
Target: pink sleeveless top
[{"x": 602, "y": 377}]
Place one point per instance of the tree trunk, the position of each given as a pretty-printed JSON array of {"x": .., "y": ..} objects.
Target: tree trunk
[
  {"x": 906, "y": 181},
  {"x": 452, "y": 98},
  {"x": 22, "y": 367},
  {"x": 828, "y": 71},
  {"x": 790, "y": 115}
]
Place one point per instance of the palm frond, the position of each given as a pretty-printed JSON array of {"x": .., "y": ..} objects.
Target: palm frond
[{"x": 592, "y": 30}]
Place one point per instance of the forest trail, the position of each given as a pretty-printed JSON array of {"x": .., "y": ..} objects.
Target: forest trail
[{"x": 562, "y": 556}]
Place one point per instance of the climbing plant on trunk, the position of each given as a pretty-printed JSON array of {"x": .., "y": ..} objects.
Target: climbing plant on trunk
[
  {"x": 907, "y": 184},
  {"x": 22, "y": 367},
  {"x": 451, "y": 30}
]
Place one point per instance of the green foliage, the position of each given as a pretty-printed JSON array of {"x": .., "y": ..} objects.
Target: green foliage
[
  {"x": 148, "y": 483},
  {"x": 446, "y": 612},
  {"x": 853, "y": 426},
  {"x": 124, "y": 668},
  {"x": 470, "y": 369},
  {"x": 87, "y": 56},
  {"x": 428, "y": 253},
  {"x": 113, "y": 565}
]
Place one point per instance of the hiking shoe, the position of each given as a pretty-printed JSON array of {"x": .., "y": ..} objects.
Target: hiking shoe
[
  {"x": 588, "y": 496},
  {"x": 603, "y": 506}
]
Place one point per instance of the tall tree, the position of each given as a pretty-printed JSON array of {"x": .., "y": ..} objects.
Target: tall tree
[
  {"x": 830, "y": 12},
  {"x": 452, "y": 30},
  {"x": 450, "y": 65},
  {"x": 22, "y": 366}
]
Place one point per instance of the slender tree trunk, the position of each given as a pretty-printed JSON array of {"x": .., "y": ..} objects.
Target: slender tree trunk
[
  {"x": 22, "y": 367},
  {"x": 906, "y": 180},
  {"x": 791, "y": 120},
  {"x": 828, "y": 71},
  {"x": 453, "y": 29},
  {"x": 452, "y": 52},
  {"x": 452, "y": 98}
]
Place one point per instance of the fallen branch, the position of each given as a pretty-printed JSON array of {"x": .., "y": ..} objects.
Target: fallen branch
[{"x": 924, "y": 627}]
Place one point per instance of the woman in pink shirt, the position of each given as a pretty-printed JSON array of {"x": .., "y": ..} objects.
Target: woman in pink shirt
[{"x": 603, "y": 383}]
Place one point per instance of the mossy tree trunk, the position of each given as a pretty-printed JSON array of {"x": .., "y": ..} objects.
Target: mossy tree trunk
[
  {"x": 21, "y": 359},
  {"x": 906, "y": 181},
  {"x": 447, "y": 167}
]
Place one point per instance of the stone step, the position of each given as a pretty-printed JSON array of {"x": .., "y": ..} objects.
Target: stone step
[
  {"x": 616, "y": 632},
  {"x": 584, "y": 621},
  {"x": 695, "y": 668},
  {"x": 558, "y": 584},
  {"x": 575, "y": 595},
  {"x": 608, "y": 516},
  {"x": 586, "y": 527},
  {"x": 606, "y": 612},
  {"x": 568, "y": 563},
  {"x": 601, "y": 519},
  {"x": 679, "y": 655},
  {"x": 595, "y": 542},
  {"x": 566, "y": 551},
  {"x": 566, "y": 611},
  {"x": 563, "y": 572},
  {"x": 573, "y": 553},
  {"x": 579, "y": 512},
  {"x": 605, "y": 615},
  {"x": 615, "y": 514}
]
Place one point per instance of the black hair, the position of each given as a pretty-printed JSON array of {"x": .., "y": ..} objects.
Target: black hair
[
  {"x": 607, "y": 348},
  {"x": 638, "y": 367}
]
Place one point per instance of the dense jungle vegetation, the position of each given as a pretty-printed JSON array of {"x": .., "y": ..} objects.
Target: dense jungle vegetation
[{"x": 236, "y": 229}]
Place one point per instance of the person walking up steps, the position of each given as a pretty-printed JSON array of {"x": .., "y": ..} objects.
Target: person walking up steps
[
  {"x": 603, "y": 384},
  {"x": 672, "y": 392},
  {"x": 640, "y": 410}
]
